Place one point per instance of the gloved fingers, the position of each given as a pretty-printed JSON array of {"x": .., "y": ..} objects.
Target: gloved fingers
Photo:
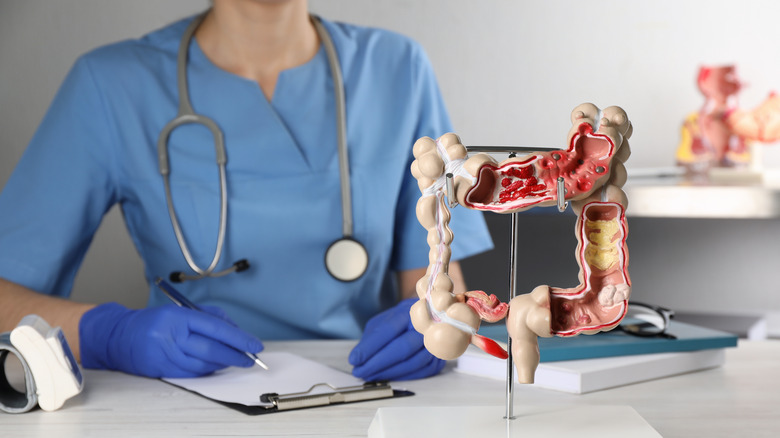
[
  {"x": 400, "y": 349},
  {"x": 219, "y": 330},
  {"x": 165, "y": 359},
  {"x": 434, "y": 367},
  {"x": 422, "y": 364},
  {"x": 380, "y": 331},
  {"x": 206, "y": 349}
]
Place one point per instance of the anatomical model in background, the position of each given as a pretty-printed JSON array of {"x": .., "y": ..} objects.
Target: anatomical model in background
[
  {"x": 720, "y": 133},
  {"x": 592, "y": 173}
]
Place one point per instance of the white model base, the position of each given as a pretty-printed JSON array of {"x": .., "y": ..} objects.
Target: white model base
[{"x": 488, "y": 421}]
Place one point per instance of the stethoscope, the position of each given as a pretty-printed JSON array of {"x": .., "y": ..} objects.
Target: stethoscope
[{"x": 346, "y": 259}]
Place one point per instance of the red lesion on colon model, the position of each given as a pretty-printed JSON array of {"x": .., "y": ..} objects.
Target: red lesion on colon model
[
  {"x": 519, "y": 182},
  {"x": 533, "y": 179}
]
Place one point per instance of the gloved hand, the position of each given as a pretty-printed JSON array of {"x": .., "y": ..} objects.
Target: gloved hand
[
  {"x": 391, "y": 349},
  {"x": 166, "y": 341}
]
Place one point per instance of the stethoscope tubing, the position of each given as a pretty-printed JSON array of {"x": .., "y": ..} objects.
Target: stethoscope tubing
[
  {"x": 341, "y": 122},
  {"x": 186, "y": 115}
]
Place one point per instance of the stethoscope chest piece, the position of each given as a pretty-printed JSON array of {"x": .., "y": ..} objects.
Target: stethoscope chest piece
[{"x": 346, "y": 259}]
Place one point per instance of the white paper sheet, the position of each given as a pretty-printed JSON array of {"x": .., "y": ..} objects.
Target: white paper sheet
[{"x": 288, "y": 374}]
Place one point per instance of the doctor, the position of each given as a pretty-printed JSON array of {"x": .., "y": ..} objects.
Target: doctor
[{"x": 263, "y": 72}]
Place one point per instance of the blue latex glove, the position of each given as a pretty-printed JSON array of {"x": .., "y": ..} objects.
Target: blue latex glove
[
  {"x": 166, "y": 341},
  {"x": 391, "y": 349}
]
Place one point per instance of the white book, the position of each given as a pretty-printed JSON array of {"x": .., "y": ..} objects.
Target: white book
[{"x": 588, "y": 375}]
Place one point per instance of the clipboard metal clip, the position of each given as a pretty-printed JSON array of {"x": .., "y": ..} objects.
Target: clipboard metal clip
[{"x": 347, "y": 394}]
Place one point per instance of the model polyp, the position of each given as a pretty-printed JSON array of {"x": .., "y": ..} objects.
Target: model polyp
[{"x": 593, "y": 173}]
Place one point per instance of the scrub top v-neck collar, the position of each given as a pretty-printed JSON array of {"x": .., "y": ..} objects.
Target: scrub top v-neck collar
[
  {"x": 286, "y": 97},
  {"x": 197, "y": 55}
]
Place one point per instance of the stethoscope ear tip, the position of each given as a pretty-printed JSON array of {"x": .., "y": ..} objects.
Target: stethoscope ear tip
[
  {"x": 241, "y": 265},
  {"x": 175, "y": 277}
]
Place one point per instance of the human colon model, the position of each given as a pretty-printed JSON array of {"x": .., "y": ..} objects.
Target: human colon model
[
  {"x": 592, "y": 173},
  {"x": 720, "y": 132}
]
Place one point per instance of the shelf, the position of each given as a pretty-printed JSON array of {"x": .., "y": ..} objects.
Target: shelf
[{"x": 722, "y": 195}]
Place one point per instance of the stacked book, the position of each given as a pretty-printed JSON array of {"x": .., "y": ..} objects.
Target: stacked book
[{"x": 589, "y": 363}]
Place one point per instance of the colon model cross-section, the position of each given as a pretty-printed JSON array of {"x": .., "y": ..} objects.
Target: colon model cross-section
[{"x": 593, "y": 173}]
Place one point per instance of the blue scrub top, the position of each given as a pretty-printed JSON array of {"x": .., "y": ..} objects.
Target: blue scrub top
[{"x": 97, "y": 147}]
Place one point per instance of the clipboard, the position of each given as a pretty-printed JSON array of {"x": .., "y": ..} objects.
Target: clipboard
[{"x": 293, "y": 382}]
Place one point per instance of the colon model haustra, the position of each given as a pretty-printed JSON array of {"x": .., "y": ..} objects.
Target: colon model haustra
[{"x": 593, "y": 174}]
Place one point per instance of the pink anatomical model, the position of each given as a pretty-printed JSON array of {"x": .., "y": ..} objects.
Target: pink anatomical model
[
  {"x": 592, "y": 173},
  {"x": 720, "y": 132},
  {"x": 760, "y": 124}
]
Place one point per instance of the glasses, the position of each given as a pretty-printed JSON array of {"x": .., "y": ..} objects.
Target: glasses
[{"x": 647, "y": 320}]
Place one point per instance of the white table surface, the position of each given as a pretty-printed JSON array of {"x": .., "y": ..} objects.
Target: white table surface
[{"x": 740, "y": 399}]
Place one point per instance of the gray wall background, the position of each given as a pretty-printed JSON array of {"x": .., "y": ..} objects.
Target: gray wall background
[{"x": 510, "y": 72}]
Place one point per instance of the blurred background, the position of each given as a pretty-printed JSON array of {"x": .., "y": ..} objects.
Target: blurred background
[{"x": 510, "y": 73}]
